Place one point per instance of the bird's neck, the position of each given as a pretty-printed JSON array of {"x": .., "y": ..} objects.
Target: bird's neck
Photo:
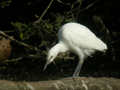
[{"x": 60, "y": 48}]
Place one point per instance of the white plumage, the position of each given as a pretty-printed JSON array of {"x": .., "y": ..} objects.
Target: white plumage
[{"x": 78, "y": 39}]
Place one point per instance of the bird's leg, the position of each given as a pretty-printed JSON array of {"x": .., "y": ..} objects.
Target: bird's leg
[{"x": 79, "y": 66}]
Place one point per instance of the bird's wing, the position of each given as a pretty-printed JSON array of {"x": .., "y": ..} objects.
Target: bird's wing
[{"x": 81, "y": 37}]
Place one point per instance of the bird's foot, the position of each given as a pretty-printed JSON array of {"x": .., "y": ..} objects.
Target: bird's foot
[{"x": 75, "y": 76}]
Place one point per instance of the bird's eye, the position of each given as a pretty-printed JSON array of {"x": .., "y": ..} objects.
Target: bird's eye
[{"x": 51, "y": 57}]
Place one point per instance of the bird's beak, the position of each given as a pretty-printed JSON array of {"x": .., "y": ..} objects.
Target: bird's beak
[
  {"x": 45, "y": 67},
  {"x": 49, "y": 60}
]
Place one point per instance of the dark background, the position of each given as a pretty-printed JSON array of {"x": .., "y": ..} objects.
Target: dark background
[{"x": 17, "y": 18}]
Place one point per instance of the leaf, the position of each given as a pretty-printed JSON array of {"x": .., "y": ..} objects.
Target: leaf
[{"x": 21, "y": 36}]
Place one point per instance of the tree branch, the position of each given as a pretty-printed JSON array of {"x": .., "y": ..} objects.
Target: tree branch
[
  {"x": 89, "y": 6},
  {"x": 45, "y": 11},
  {"x": 19, "y": 42},
  {"x": 31, "y": 56}
]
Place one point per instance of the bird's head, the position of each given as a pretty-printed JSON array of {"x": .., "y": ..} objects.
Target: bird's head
[{"x": 52, "y": 54}]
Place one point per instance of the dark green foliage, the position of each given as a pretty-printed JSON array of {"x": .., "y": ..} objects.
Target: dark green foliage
[{"x": 5, "y": 3}]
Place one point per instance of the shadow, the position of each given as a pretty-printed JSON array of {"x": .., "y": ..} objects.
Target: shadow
[{"x": 32, "y": 70}]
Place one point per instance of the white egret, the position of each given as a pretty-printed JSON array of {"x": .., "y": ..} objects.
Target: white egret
[{"x": 78, "y": 39}]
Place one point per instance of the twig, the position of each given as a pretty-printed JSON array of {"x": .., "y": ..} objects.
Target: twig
[
  {"x": 12, "y": 60},
  {"x": 19, "y": 42},
  {"x": 79, "y": 9},
  {"x": 45, "y": 11},
  {"x": 59, "y": 1},
  {"x": 89, "y": 6},
  {"x": 31, "y": 56}
]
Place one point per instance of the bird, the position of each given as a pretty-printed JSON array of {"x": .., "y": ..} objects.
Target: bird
[{"x": 78, "y": 39}]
